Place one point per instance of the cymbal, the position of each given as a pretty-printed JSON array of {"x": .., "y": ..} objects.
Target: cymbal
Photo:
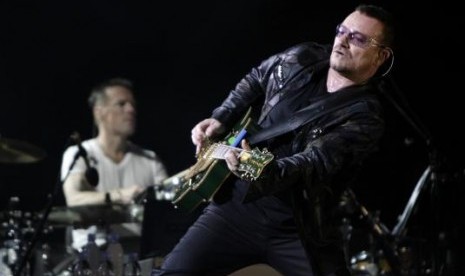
[
  {"x": 15, "y": 151},
  {"x": 98, "y": 214}
]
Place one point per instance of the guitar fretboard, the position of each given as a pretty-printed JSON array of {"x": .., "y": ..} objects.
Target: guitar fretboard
[{"x": 220, "y": 150}]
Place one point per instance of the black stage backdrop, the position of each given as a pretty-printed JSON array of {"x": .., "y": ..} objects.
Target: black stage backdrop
[{"x": 185, "y": 56}]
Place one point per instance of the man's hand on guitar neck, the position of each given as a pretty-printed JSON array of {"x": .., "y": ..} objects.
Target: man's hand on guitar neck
[
  {"x": 233, "y": 156},
  {"x": 207, "y": 128}
]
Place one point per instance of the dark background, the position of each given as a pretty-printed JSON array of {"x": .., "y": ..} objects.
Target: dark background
[{"x": 185, "y": 56}]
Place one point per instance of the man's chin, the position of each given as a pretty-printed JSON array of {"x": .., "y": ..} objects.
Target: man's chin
[
  {"x": 130, "y": 131},
  {"x": 337, "y": 65}
]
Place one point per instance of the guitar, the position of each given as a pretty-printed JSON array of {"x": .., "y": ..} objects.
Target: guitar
[{"x": 200, "y": 182}]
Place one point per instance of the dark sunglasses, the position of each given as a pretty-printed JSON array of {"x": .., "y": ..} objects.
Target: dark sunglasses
[{"x": 356, "y": 38}]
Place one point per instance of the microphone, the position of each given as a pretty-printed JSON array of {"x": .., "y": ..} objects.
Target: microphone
[{"x": 91, "y": 173}]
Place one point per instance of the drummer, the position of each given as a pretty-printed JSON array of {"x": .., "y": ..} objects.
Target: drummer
[{"x": 123, "y": 169}]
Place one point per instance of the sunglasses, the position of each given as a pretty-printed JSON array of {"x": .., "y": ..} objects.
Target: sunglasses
[{"x": 356, "y": 38}]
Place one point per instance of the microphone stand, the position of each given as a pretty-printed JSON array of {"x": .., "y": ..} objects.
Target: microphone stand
[
  {"x": 430, "y": 171},
  {"x": 41, "y": 224},
  {"x": 381, "y": 233}
]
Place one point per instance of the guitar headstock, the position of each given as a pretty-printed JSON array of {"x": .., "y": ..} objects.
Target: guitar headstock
[{"x": 253, "y": 162}]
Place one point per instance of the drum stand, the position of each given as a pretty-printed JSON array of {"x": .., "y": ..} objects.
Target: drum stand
[
  {"x": 23, "y": 258},
  {"x": 383, "y": 239},
  {"x": 398, "y": 258},
  {"x": 428, "y": 182}
]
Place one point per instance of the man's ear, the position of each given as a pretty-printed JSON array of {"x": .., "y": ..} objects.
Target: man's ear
[
  {"x": 386, "y": 59},
  {"x": 98, "y": 113},
  {"x": 385, "y": 54}
]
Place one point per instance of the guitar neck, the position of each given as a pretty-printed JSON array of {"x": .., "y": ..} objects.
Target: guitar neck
[{"x": 220, "y": 150}]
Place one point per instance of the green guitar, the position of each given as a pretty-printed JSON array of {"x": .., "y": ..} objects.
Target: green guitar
[{"x": 200, "y": 182}]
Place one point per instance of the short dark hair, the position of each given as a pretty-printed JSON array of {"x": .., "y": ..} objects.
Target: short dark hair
[
  {"x": 384, "y": 17},
  {"x": 97, "y": 93}
]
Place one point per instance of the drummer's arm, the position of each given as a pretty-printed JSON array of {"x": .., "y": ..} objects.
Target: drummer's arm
[{"x": 78, "y": 192}]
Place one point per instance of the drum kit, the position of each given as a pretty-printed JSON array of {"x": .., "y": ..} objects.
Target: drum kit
[
  {"x": 382, "y": 251},
  {"x": 16, "y": 225},
  {"x": 19, "y": 227}
]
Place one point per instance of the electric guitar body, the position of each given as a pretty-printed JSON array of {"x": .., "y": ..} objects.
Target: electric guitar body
[{"x": 199, "y": 183}]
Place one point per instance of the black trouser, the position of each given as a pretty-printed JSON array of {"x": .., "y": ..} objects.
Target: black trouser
[{"x": 219, "y": 243}]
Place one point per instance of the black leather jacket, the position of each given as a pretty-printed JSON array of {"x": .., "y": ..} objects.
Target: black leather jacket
[{"x": 326, "y": 152}]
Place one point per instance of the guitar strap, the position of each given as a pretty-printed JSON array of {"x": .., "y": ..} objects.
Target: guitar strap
[{"x": 315, "y": 110}]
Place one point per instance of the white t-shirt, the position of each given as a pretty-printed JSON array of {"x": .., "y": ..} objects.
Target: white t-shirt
[{"x": 138, "y": 167}]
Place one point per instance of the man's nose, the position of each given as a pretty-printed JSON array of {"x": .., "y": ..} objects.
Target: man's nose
[
  {"x": 130, "y": 107},
  {"x": 345, "y": 38}
]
